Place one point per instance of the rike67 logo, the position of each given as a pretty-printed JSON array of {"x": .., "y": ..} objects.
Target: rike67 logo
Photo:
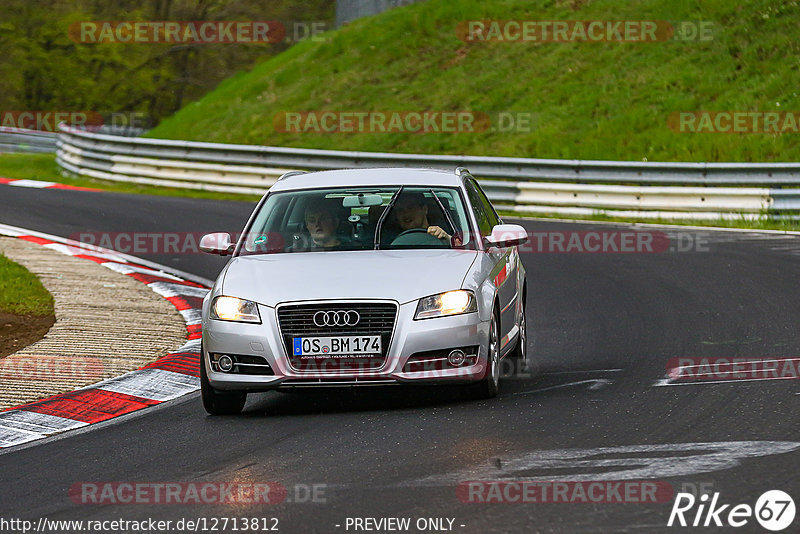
[{"x": 774, "y": 510}]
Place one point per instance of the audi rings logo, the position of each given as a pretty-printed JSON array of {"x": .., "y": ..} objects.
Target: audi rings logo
[{"x": 336, "y": 318}]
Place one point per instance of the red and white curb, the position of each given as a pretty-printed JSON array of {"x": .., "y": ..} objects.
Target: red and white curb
[
  {"x": 40, "y": 184},
  {"x": 169, "y": 377}
]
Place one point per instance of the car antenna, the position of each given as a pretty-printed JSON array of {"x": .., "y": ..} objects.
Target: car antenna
[{"x": 291, "y": 173}]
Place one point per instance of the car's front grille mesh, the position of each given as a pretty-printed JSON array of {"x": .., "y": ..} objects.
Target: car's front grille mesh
[{"x": 297, "y": 320}]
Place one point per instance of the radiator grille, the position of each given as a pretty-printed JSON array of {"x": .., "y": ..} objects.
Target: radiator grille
[{"x": 297, "y": 320}]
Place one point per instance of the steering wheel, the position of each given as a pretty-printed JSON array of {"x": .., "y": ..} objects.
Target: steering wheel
[
  {"x": 413, "y": 230},
  {"x": 424, "y": 239}
]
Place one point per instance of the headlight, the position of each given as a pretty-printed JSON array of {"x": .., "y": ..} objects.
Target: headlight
[
  {"x": 450, "y": 303},
  {"x": 235, "y": 309}
]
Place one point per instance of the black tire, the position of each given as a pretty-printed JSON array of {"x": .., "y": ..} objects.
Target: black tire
[
  {"x": 218, "y": 402},
  {"x": 489, "y": 386}
]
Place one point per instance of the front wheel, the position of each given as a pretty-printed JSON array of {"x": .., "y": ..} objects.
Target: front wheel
[
  {"x": 521, "y": 356},
  {"x": 489, "y": 386},
  {"x": 520, "y": 352},
  {"x": 218, "y": 402}
]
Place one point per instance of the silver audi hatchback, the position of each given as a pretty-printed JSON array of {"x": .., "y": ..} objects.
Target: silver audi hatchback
[{"x": 364, "y": 277}]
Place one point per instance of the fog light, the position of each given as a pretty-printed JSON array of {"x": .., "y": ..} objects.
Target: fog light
[
  {"x": 225, "y": 363},
  {"x": 456, "y": 358}
]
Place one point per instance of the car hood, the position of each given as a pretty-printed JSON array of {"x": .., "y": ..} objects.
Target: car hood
[{"x": 401, "y": 275}]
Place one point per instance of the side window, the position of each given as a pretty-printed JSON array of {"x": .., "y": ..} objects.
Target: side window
[
  {"x": 479, "y": 209},
  {"x": 493, "y": 217}
]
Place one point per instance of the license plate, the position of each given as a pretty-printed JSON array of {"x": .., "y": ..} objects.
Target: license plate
[{"x": 337, "y": 345}]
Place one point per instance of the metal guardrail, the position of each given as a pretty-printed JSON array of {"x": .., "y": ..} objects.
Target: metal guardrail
[
  {"x": 18, "y": 140},
  {"x": 568, "y": 187},
  {"x": 24, "y": 140}
]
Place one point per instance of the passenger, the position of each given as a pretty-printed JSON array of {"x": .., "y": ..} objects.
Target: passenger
[{"x": 322, "y": 222}]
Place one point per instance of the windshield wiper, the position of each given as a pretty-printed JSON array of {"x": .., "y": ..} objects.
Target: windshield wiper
[
  {"x": 383, "y": 217},
  {"x": 446, "y": 213}
]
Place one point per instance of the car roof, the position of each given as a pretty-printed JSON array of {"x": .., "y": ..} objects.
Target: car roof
[{"x": 368, "y": 177}]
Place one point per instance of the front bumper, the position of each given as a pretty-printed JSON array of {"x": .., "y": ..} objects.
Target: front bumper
[{"x": 409, "y": 338}]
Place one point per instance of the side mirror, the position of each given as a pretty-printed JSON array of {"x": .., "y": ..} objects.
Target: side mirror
[
  {"x": 217, "y": 243},
  {"x": 506, "y": 235}
]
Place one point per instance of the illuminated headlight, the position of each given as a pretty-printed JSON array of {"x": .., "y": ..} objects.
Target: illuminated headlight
[
  {"x": 450, "y": 303},
  {"x": 235, "y": 309}
]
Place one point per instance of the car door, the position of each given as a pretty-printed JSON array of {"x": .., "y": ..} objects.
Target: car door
[{"x": 503, "y": 270}]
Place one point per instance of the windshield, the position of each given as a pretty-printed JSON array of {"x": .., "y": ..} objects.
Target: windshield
[{"x": 365, "y": 218}]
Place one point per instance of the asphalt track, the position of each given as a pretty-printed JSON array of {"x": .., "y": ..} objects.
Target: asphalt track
[{"x": 603, "y": 330}]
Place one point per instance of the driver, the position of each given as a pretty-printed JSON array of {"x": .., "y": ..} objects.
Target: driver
[{"x": 411, "y": 211}]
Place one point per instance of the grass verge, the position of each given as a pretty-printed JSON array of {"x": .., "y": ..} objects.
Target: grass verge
[{"x": 21, "y": 292}]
